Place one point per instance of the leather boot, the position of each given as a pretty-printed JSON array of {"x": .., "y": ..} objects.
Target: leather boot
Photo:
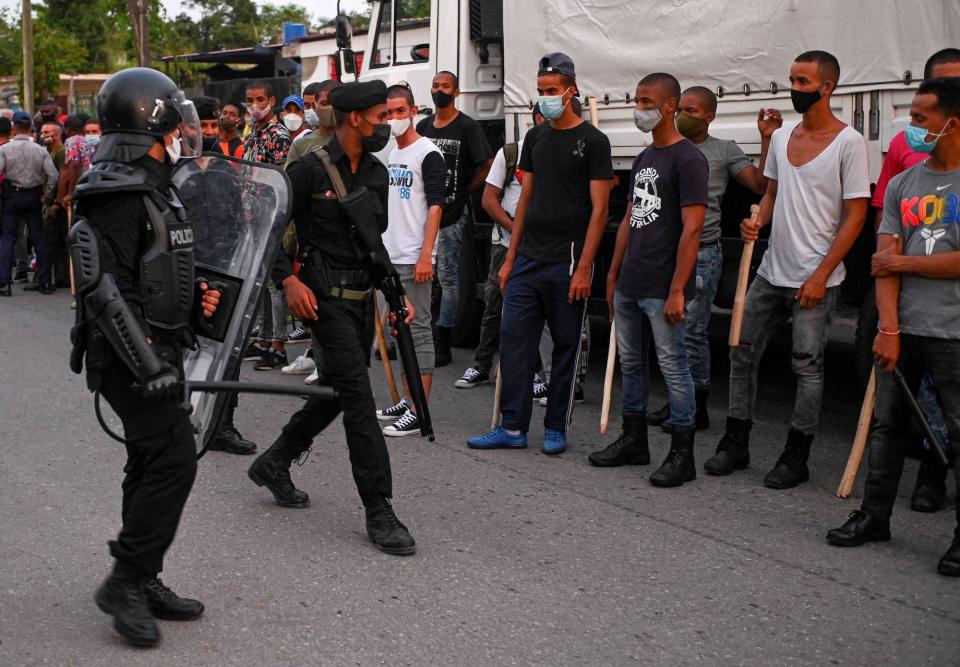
[
  {"x": 630, "y": 448},
  {"x": 950, "y": 563},
  {"x": 441, "y": 347},
  {"x": 386, "y": 531},
  {"x": 658, "y": 417},
  {"x": 931, "y": 491},
  {"x": 859, "y": 529},
  {"x": 733, "y": 450},
  {"x": 228, "y": 439},
  {"x": 272, "y": 470},
  {"x": 791, "y": 468},
  {"x": 679, "y": 466},
  {"x": 702, "y": 419},
  {"x": 122, "y": 597},
  {"x": 167, "y": 605}
]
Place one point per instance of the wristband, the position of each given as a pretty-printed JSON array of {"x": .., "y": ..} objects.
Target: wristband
[{"x": 889, "y": 333}]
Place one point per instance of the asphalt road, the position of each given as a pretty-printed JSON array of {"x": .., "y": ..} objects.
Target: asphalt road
[{"x": 522, "y": 558}]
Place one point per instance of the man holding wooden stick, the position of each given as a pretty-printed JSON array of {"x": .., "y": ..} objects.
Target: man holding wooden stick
[
  {"x": 917, "y": 267},
  {"x": 816, "y": 200}
]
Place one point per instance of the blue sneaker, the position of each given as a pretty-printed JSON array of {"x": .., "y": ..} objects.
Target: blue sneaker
[
  {"x": 554, "y": 442},
  {"x": 497, "y": 438}
]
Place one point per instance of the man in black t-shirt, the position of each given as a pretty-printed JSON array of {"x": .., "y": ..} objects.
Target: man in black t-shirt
[
  {"x": 651, "y": 279},
  {"x": 468, "y": 156},
  {"x": 546, "y": 274}
]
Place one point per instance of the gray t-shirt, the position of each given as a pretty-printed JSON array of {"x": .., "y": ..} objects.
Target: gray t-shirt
[
  {"x": 923, "y": 206},
  {"x": 726, "y": 160}
]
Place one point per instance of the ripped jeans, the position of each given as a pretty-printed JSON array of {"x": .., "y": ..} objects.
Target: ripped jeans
[{"x": 767, "y": 308}]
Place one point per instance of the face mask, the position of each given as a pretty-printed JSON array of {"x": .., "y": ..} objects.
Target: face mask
[
  {"x": 310, "y": 118},
  {"x": 92, "y": 139},
  {"x": 227, "y": 124},
  {"x": 917, "y": 138},
  {"x": 646, "y": 119},
  {"x": 803, "y": 101},
  {"x": 292, "y": 122},
  {"x": 377, "y": 141},
  {"x": 173, "y": 150},
  {"x": 399, "y": 126},
  {"x": 47, "y": 141},
  {"x": 690, "y": 126},
  {"x": 325, "y": 114},
  {"x": 441, "y": 99},
  {"x": 259, "y": 113},
  {"x": 552, "y": 106}
]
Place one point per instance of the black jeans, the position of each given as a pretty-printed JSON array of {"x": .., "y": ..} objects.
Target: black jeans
[
  {"x": 19, "y": 207},
  {"x": 492, "y": 310},
  {"x": 161, "y": 467},
  {"x": 344, "y": 331},
  {"x": 890, "y": 432}
]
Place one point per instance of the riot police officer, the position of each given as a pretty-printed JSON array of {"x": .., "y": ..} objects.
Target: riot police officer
[
  {"x": 132, "y": 253},
  {"x": 333, "y": 295}
]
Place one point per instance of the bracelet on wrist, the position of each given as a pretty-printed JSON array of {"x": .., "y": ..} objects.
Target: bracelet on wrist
[{"x": 889, "y": 333}]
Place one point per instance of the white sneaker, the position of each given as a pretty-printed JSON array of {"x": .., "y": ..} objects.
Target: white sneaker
[
  {"x": 302, "y": 365},
  {"x": 408, "y": 424},
  {"x": 313, "y": 378},
  {"x": 394, "y": 412}
]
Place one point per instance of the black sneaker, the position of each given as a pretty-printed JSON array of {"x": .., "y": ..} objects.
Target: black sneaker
[
  {"x": 472, "y": 377},
  {"x": 408, "y": 424},
  {"x": 298, "y": 335},
  {"x": 394, "y": 412},
  {"x": 271, "y": 360},
  {"x": 167, "y": 605},
  {"x": 539, "y": 389},
  {"x": 253, "y": 352}
]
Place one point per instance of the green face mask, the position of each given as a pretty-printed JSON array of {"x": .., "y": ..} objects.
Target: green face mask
[
  {"x": 690, "y": 126},
  {"x": 325, "y": 114}
]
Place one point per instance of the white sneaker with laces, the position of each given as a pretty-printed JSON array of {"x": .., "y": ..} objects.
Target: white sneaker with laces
[
  {"x": 313, "y": 378},
  {"x": 408, "y": 424},
  {"x": 394, "y": 412},
  {"x": 302, "y": 365}
]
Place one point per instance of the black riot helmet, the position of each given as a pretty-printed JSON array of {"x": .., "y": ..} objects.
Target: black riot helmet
[{"x": 137, "y": 106}]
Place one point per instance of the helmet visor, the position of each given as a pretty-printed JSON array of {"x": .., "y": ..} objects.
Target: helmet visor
[{"x": 190, "y": 137}]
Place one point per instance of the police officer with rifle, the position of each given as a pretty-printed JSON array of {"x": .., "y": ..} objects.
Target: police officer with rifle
[{"x": 333, "y": 295}]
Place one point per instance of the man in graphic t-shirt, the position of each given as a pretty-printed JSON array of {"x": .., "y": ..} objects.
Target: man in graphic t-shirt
[
  {"x": 652, "y": 278},
  {"x": 468, "y": 157},
  {"x": 816, "y": 201},
  {"x": 917, "y": 267},
  {"x": 546, "y": 274},
  {"x": 417, "y": 184}
]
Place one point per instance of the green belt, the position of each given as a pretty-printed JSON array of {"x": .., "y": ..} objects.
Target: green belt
[{"x": 350, "y": 294}]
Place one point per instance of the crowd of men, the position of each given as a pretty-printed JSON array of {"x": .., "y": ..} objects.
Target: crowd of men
[{"x": 548, "y": 197}]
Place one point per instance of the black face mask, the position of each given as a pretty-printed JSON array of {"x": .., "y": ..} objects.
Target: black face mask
[
  {"x": 803, "y": 101},
  {"x": 377, "y": 141},
  {"x": 441, "y": 99},
  {"x": 227, "y": 124},
  {"x": 208, "y": 143}
]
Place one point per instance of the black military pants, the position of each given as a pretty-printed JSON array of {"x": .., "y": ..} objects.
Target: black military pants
[
  {"x": 160, "y": 470},
  {"x": 344, "y": 330}
]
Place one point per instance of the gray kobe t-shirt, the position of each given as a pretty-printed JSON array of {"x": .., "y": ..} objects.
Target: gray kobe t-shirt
[
  {"x": 923, "y": 207},
  {"x": 726, "y": 160}
]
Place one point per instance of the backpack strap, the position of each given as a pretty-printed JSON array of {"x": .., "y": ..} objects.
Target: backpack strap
[{"x": 510, "y": 155}]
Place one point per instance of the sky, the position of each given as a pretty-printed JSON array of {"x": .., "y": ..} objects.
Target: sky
[{"x": 316, "y": 8}]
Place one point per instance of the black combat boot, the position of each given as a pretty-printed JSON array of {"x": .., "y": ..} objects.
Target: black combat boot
[
  {"x": 733, "y": 450},
  {"x": 791, "y": 468},
  {"x": 702, "y": 419},
  {"x": 658, "y": 417},
  {"x": 679, "y": 466},
  {"x": 441, "y": 347},
  {"x": 386, "y": 530},
  {"x": 950, "y": 563},
  {"x": 859, "y": 529},
  {"x": 272, "y": 470},
  {"x": 931, "y": 491},
  {"x": 629, "y": 449},
  {"x": 122, "y": 597},
  {"x": 167, "y": 605},
  {"x": 228, "y": 439}
]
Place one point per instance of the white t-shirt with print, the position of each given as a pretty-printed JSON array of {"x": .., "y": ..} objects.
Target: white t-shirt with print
[
  {"x": 809, "y": 205},
  {"x": 412, "y": 170},
  {"x": 496, "y": 177}
]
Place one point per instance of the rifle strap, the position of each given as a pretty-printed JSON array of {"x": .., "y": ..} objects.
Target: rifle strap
[{"x": 338, "y": 185}]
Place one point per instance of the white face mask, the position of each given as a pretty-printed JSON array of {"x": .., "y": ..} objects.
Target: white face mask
[
  {"x": 173, "y": 150},
  {"x": 399, "y": 126},
  {"x": 293, "y": 121}
]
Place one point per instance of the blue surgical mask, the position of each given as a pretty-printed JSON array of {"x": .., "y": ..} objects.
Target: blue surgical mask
[
  {"x": 917, "y": 138},
  {"x": 552, "y": 106},
  {"x": 92, "y": 139}
]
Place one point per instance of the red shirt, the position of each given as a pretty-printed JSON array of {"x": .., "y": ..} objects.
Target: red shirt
[{"x": 900, "y": 157}]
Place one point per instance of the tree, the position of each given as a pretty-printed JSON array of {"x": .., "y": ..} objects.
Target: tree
[
  {"x": 226, "y": 24},
  {"x": 272, "y": 18}
]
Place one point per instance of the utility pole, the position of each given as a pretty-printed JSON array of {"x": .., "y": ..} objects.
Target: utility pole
[
  {"x": 139, "y": 11},
  {"x": 27, "y": 29}
]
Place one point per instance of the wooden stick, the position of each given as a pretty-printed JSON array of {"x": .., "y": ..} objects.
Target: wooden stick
[
  {"x": 742, "y": 280},
  {"x": 495, "y": 419},
  {"x": 608, "y": 378},
  {"x": 594, "y": 114},
  {"x": 860, "y": 441},
  {"x": 384, "y": 355}
]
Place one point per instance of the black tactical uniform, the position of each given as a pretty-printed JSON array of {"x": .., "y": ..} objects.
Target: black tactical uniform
[
  {"x": 339, "y": 274},
  {"x": 133, "y": 260}
]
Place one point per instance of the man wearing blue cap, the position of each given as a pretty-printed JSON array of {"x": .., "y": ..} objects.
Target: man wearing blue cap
[{"x": 292, "y": 118}]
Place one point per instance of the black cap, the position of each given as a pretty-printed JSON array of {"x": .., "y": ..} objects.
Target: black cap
[
  {"x": 49, "y": 104},
  {"x": 208, "y": 108},
  {"x": 557, "y": 63},
  {"x": 358, "y": 96}
]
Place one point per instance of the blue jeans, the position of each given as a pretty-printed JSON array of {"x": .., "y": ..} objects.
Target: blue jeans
[
  {"x": 449, "y": 242},
  {"x": 709, "y": 268},
  {"x": 22, "y": 207},
  {"x": 767, "y": 308},
  {"x": 536, "y": 293},
  {"x": 639, "y": 320}
]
